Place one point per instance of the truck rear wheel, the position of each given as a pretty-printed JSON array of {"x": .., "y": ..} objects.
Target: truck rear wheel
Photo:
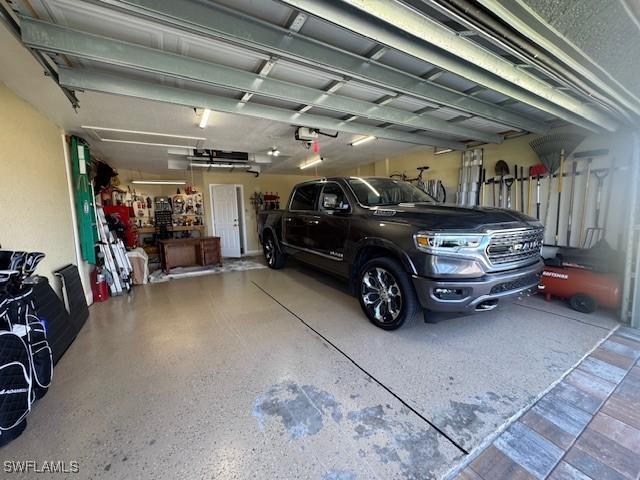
[
  {"x": 386, "y": 294},
  {"x": 274, "y": 257}
]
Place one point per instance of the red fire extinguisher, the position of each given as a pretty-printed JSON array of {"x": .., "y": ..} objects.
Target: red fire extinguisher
[{"x": 99, "y": 286}]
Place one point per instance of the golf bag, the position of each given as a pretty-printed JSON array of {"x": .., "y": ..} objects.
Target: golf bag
[{"x": 26, "y": 364}]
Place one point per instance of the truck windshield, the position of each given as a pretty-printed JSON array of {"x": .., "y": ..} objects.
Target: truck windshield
[{"x": 374, "y": 191}]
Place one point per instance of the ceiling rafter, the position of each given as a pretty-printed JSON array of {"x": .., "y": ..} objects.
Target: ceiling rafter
[
  {"x": 229, "y": 25},
  {"x": 56, "y": 38},
  {"x": 295, "y": 23},
  {"x": 439, "y": 46},
  {"x": 82, "y": 79}
]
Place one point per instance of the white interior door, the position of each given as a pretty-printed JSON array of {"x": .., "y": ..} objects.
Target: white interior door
[{"x": 225, "y": 219}]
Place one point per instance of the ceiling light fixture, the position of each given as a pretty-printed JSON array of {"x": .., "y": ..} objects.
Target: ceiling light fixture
[
  {"x": 311, "y": 163},
  {"x": 159, "y": 182},
  {"x": 205, "y": 118},
  {"x": 362, "y": 140},
  {"x": 273, "y": 151},
  {"x": 152, "y": 144},
  {"x": 220, "y": 165},
  {"x": 139, "y": 132},
  {"x": 440, "y": 152}
]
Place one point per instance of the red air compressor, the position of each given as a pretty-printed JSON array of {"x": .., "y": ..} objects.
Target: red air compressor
[{"x": 585, "y": 289}]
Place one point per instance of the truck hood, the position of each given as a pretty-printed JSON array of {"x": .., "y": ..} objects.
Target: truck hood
[{"x": 452, "y": 217}]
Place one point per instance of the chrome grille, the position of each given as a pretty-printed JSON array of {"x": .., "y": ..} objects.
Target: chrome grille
[{"x": 512, "y": 246}]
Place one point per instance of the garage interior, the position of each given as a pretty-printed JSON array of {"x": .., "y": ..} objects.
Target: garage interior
[{"x": 120, "y": 114}]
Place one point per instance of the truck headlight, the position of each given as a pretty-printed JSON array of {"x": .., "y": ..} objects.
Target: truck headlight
[{"x": 432, "y": 242}]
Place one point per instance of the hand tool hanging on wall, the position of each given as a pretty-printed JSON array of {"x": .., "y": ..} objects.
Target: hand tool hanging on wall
[
  {"x": 560, "y": 179},
  {"x": 594, "y": 234},
  {"x": 515, "y": 186},
  {"x": 508, "y": 182},
  {"x": 538, "y": 197},
  {"x": 574, "y": 171},
  {"x": 493, "y": 188},
  {"x": 585, "y": 201},
  {"x": 521, "y": 189},
  {"x": 609, "y": 193},
  {"x": 501, "y": 170},
  {"x": 530, "y": 197},
  {"x": 548, "y": 149}
]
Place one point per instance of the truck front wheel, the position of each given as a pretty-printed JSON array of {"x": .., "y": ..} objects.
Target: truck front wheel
[
  {"x": 274, "y": 257},
  {"x": 386, "y": 293}
]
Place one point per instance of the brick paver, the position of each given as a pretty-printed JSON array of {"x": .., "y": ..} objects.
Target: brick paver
[{"x": 586, "y": 428}]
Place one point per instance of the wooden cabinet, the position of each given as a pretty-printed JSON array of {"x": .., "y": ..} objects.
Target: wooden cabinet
[
  {"x": 187, "y": 252},
  {"x": 210, "y": 248}
]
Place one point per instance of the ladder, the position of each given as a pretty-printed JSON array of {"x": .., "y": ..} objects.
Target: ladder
[
  {"x": 630, "y": 309},
  {"x": 115, "y": 256}
]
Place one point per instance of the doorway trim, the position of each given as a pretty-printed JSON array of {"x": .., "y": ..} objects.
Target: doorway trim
[{"x": 241, "y": 212}]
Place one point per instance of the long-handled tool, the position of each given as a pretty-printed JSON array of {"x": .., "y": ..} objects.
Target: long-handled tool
[
  {"x": 574, "y": 171},
  {"x": 515, "y": 186},
  {"x": 549, "y": 150},
  {"x": 521, "y": 189},
  {"x": 501, "y": 170},
  {"x": 493, "y": 188},
  {"x": 508, "y": 182},
  {"x": 538, "y": 197},
  {"x": 483, "y": 179},
  {"x": 560, "y": 174},
  {"x": 585, "y": 200},
  {"x": 595, "y": 233},
  {"x": 529, "y": 197}
]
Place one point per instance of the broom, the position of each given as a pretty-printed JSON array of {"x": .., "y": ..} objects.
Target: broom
[{"x": 551, "y": 151}]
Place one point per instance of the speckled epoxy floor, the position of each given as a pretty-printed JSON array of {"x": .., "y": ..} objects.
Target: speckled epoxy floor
[{"x": 209, "y": 377}]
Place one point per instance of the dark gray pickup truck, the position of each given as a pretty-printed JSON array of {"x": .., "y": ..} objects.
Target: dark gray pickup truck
[{"x": 401, "y": 251}]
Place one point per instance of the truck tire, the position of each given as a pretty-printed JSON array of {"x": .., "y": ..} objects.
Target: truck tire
[
  {"x": 583, "y": 303},
  {"x": 272, "y": 254},
  {"x": 386, "y": 294}
]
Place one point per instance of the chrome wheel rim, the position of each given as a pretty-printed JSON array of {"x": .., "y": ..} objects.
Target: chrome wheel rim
[
  {"x": 269, "y": 253},
  {"x": 381, "y": 295}
]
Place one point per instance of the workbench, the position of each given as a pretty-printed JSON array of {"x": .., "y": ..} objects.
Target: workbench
[
  {"x": 187, "y": 252},
  {"x": 181, "y": 228}
]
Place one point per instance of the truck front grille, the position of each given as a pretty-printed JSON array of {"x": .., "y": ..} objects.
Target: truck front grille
[{"x": 512, "y": 246}]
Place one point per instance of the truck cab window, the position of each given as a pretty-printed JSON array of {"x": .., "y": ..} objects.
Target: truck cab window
[
  {"x": 304, "y": 197},
  {"x": 333, "y": 198}
]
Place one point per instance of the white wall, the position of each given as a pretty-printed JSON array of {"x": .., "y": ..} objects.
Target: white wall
[{"x": 35, "y": 210}]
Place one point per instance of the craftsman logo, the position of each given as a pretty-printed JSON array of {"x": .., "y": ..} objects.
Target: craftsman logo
[{"x": 563, "y": 276}]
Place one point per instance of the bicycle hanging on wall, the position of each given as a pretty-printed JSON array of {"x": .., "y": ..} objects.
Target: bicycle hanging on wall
[{"x": 432, "y": 187}]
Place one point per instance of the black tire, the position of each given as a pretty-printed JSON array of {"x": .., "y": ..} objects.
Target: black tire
[
  {"x": 272, "y": 254},
  {"x": 399, "y": 305},
  {"x": 583, "y": 303}
]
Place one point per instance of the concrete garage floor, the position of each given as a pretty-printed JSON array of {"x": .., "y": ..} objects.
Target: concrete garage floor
[{"x": 218, "y": 377}]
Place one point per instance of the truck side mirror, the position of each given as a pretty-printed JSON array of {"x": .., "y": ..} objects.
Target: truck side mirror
[{"x": 329, "y": 201}]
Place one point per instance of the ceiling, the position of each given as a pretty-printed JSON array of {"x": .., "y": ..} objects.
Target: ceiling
[{"x": 265, "y": 67}]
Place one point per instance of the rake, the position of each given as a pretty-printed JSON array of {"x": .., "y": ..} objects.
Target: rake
[{"x": 551, "y": 151}]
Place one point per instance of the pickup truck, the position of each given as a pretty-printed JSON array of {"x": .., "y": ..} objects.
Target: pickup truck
[{"x": 401, "y": 251}]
